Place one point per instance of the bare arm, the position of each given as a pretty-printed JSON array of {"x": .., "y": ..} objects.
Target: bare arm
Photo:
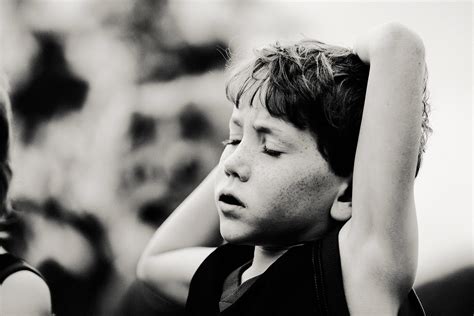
[
  {"x": 181, "y": 243},
  {"x": 381, "y": 237}
]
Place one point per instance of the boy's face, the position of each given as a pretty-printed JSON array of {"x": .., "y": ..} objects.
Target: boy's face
[{"x": 273, "y": 187}]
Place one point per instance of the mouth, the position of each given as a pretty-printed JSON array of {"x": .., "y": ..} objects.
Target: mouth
[{"x": 230, "y": 200}]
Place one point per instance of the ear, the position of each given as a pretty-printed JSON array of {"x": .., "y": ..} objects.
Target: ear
[{"x": 341, "y": 209}]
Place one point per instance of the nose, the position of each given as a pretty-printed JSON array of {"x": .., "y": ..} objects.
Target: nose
[{"x": 237, "y": 165}]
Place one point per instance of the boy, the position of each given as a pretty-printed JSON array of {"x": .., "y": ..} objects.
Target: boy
[{"x": 314, "y": 189}]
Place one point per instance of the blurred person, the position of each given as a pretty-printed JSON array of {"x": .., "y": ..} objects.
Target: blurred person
[
  {"x": 314, "y": 189},
  {"x": 23, "y": 290}
]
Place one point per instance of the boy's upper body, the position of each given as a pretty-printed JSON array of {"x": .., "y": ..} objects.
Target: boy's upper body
[
  {"x": 305, "y": 280},
  {"x": 296, "y": 163}
]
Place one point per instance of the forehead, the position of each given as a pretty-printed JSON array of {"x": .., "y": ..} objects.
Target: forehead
[
  {"x": 255, "y": 113},
  {"x": 249, "y": 95},
  {"x": 251, "y": 106},
  {"x": 257, "y": 119},
  {"x": 255, "y": 88}
]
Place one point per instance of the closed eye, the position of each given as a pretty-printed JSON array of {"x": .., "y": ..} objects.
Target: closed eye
[
  {"x": 270, "y": 152},
  {"x": 231, "y": 142}
]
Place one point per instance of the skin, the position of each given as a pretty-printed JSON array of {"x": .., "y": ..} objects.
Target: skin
[
  {"x": 377, "y": 244},
  {"x": 264, "y": 150},
  {"x": 21, "y": 287}
]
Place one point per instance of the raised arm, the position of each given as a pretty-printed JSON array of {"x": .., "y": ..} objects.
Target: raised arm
[
  {"x": 181, "y": 243},
  {"x": 381, "y": 237}
]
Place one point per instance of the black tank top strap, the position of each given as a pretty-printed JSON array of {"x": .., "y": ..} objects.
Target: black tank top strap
[
  {"x": 10, "y": 264},
  {"x": 328, "y": 275},
  {"x": 330, "y": 286}
]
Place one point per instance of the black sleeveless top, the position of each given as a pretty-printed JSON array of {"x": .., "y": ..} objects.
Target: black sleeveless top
[
  {"x": 10, "y": 264},
  {"x": 306, "y": 280}
]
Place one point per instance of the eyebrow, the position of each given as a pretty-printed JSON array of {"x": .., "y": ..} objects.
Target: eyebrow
[
  {"x": 261, "y": 129},
  {"x": 265, "y": 128}
]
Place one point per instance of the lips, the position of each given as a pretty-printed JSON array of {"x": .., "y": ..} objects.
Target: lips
[{"x": 230, "y": 199}]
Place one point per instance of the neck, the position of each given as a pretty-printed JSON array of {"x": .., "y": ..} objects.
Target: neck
[
  {"x": 263, "y": 257},
  {"x": 2, "y": 250}
]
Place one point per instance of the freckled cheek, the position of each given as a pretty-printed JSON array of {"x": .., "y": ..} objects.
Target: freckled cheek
[{"x": 301, "y": 193}]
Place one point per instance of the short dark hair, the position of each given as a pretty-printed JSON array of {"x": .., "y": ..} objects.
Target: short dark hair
[{"x": 313, "y": 86}]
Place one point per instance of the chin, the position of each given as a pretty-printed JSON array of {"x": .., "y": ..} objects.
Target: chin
[
  {"x": 235, "y": 235},
  {"x": 232, "y": 238}
]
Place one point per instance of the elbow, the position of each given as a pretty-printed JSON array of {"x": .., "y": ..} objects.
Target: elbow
[
  {"x": 152, "y": 271},
  {"x": 155, "y": 274},
  {"x": 395, "y": 37},
  {"x": 149, "y": 277}
]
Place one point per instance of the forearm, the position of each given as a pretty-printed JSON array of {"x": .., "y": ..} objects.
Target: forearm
[
  {"x": 181, "y": 243},
  {"x": 194, "y": 223},
  {"x": 169, "y": 274}
]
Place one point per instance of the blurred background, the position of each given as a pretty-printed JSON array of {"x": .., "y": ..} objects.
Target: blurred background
[{"x": 119, "y": 110}]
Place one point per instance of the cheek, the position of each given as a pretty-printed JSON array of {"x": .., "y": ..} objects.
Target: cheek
[{"x": 300, "y": 191}]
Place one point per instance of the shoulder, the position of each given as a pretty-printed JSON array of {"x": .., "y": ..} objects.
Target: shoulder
[{"x": 25, "y": 286}]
